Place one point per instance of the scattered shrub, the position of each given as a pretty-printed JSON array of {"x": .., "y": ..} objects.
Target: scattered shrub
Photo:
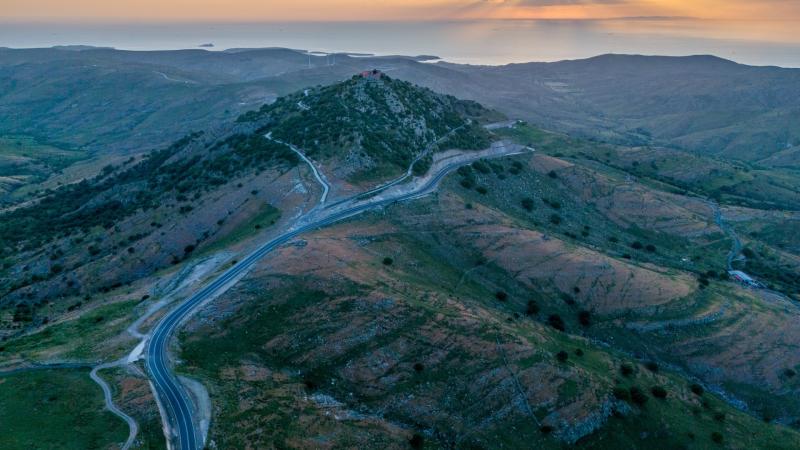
[
  {"x": 482, "y": 190},
  {"x": 501, "y": 295},
  {"x": 527, "y": 203},
  {"x": 562, "y": 356},
  {"x": 532, "y": 308},
  {"x": 418, "y": 367},
  {"x": 637, "y": 396},
  {"x": 481, "y": 167},
  {"x": 310, "y": 384},
  {"x": 584, "y": 317},
  {"x": 637, "y": 245},
  {"x": 652, "y": 366},
  {"x": 658, "y": 392},
  {"x": 578, "y": 352},
  {"x": 697, "y": 389},
  {"x": 621, "y": 393},
  {"x": 716, "y": 436},
  {"x": 790, "y": 373},
  {"x": 546, "y": 429},
  {"x": 387, "y": 261},
  {"x": 552, "y": 174},
  {"x": 626, "y": 370},
  {"x": 719, "y": 416},
  {"x": 416, "y": 441},
  {"x": 555, "y": 204},
  {"x": 555, "y": 219},
  {"x": 650, "y": 248},
  {"x": 556, "y": 322}
]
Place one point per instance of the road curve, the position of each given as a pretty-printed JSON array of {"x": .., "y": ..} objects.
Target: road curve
[
  {"x": 317, "y": 173},
  {"x": 170, "y": 392},
  {"x": 133, "y": 427}
]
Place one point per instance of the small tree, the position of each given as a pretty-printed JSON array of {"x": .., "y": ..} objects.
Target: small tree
[
  {"x": 626, "y": 370},
  {"x": 621, "y": 393},
  {"x": 416, "y": 441},
  {"x": 532, "y": 308},
  {"x": 556, "y": 322},
  {"x": 527, "y": 203},
  {"x": 637, "y": 396},
  {"x": 658, "y": 392},
  {"x": 584, "y": 317}
]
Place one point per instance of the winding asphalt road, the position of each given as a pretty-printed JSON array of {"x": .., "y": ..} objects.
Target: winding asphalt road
[{"x": 170, "y": 392}]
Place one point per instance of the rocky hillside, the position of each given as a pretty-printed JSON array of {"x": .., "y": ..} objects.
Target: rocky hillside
[
  {"x": 147, "y": 213},
  {"x": 372, "y": 123}
]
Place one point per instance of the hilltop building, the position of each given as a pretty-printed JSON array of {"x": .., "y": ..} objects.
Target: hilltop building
[{"x": 373, "y": 74}]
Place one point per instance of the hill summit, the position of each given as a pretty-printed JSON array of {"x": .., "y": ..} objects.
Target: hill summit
[
  {"x": 367, "y": 128},
  {"x": 372, "y": 123}
]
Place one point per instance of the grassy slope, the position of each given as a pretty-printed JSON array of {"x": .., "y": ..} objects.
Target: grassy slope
[
  {"x": 56, "y": 409},
  {"x": 132, "y": 394},
  {"x": 766, "y": 192},
  {"x": 416, "y": 311},
  {"x": 25, "y": 161},
  {"x": 729, "y": 181},
  {"x": 83, "y": 338}
]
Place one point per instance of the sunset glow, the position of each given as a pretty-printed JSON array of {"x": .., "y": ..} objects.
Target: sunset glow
[{"x": 359, "y": 10}]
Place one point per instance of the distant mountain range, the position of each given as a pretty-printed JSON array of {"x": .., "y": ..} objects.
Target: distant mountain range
[{"x": 125, "y": 101}]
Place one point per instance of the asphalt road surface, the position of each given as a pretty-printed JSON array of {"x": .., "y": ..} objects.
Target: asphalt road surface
[{"x": 170, "y": 392}]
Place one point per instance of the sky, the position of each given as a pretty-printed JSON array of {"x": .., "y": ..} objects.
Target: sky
[{"x": 386, "y": 10}]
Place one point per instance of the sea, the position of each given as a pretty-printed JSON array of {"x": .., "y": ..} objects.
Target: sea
[{"x": 483, "y": 42}]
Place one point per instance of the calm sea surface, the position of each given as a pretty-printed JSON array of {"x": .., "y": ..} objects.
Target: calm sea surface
[{"x": 475, "y": 42}]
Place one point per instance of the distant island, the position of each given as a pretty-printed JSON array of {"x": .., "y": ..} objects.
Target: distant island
[{"x": 206, "y": 45}]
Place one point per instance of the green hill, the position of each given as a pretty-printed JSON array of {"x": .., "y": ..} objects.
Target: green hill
[{"x": 376, "y": 122}]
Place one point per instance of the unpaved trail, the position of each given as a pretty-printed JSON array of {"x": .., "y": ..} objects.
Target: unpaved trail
[
  {"x": 326, "y": 187},
  {"x": 133, "y": 426},
  {"x": 736, "y": 243}
]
